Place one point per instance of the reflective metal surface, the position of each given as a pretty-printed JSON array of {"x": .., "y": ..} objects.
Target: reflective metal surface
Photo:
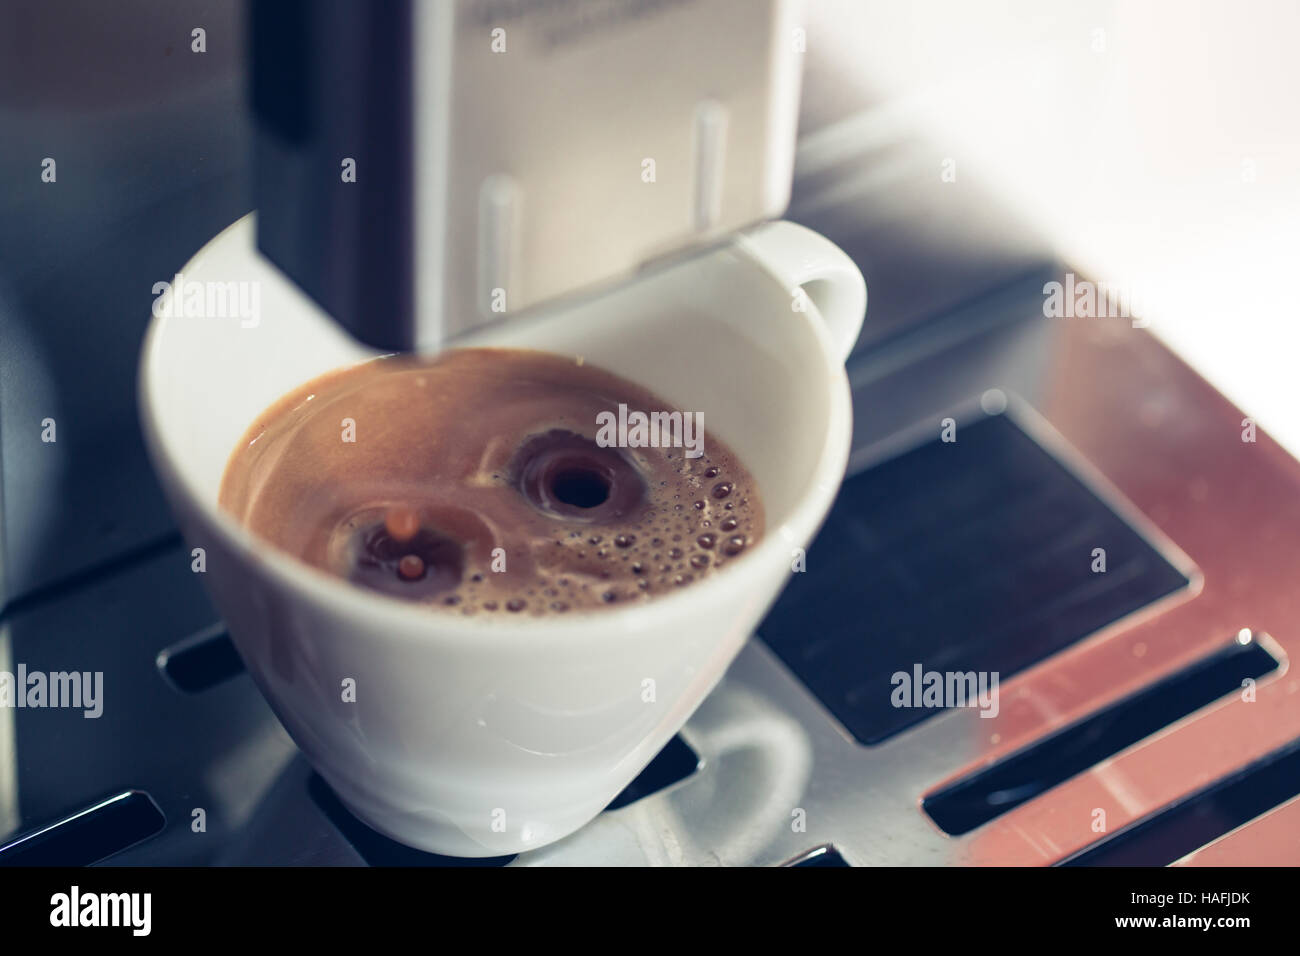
[
  {"x": 1268, "y": 840},
  {"x": 779, "y": 777}
]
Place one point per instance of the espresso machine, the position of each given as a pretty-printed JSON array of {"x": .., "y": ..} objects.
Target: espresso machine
[{"x": 423, "y": 169}]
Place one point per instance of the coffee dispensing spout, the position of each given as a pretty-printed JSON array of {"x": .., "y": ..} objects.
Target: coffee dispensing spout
[{"x": 425, "y": 168}]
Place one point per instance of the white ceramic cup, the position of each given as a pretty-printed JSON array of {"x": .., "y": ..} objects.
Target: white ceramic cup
[{"x": 487, "y": 735}]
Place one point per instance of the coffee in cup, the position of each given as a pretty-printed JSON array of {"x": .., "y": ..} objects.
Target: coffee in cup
[{"x": 494, "y": 482}]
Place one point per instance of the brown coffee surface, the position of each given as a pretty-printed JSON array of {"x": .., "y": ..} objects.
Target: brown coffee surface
[{"x": 473, "y": 482}]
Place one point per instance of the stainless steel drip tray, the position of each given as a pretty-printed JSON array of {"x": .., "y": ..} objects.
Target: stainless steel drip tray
[
  {"x": 187, "y": 764},
  {"x": 232, "y": 789}
]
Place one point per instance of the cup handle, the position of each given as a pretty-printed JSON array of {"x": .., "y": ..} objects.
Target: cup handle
[{"x": 803, "y": 259}]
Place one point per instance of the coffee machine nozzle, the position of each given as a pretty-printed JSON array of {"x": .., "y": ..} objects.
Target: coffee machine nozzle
[{"x": 424, "y": 168}]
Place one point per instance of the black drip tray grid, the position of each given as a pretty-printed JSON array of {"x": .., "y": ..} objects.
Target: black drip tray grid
[{"x": 975, "y": 555}]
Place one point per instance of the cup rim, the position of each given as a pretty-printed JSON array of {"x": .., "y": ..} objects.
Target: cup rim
[{"x": 390, "y": 617}]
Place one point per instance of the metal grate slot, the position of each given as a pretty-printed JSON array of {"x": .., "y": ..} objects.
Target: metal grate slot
[
  {"x": 91, "y": 835},
  {"x": 201, "y": 661},
  {"x": 822, "y": 856},
  {"x": 1186, "y": 826},
  {"x": 675, "y": 762},
  {"x": 977, "y": 799}
]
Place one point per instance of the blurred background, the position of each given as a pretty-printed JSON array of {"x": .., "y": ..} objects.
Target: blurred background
[{"x": 1155, "y": 145}]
